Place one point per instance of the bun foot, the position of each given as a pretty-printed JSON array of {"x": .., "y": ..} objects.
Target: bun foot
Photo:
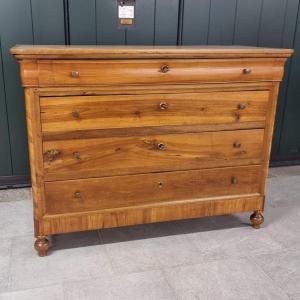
[
  {"x": 256, "y": 219},
  {"x": 41, "y": 245}
]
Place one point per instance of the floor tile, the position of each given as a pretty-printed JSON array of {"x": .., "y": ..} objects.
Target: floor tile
[
  {"x": 29, "y": 270},
  {"x": 233, "y": 242},
  {"x": 283, "y": 224},
  {"x": 223, "y": 279},
  {"x": 285, "y": 171},
  {"x": 284, "y": 191},
  {"x": 5, "y": 259},
  {"x": 148, "y": 247},
  {"x": 16, "y": 218},
  {"x": 132, "y": 256},
  {"x": 147, "y": 285},
  {"x": 20, "y": 194},
  {"x": 45, "y": 293},
  {"x": 283, "y": 268}
]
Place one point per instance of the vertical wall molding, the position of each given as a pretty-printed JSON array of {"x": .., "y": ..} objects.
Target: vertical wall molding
[{"x": 67, "y": 22}]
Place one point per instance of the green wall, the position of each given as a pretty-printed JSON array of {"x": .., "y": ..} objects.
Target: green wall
[{"x": 271, "y": 23}]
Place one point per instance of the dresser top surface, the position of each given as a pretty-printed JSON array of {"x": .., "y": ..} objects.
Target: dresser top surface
[{"x": 125, "y": 52}]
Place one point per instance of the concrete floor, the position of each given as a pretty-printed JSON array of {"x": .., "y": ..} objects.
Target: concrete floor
[{"x": 209, "y": 258}]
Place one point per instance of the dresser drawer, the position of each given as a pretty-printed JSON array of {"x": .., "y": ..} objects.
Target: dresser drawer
[
  {"x": 70, "y": 159},
  {"x": 124, "y": 191},
  {"x": 87, "y": 72},
  {"x": 63, "y": 114}
]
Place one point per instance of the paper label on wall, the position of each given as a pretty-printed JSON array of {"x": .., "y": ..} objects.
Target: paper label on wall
[{"x": 126, "y": 12}]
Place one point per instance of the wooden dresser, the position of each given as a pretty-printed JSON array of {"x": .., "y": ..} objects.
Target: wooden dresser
[{"x": 130, "y": 135}]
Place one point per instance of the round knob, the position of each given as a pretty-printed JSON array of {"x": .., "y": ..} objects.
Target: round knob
[
  {"x": 237, "y": 145},
  {"x": 161, "y": 146},
  {"x": 234, "y": 180},
  {"x": 77, "y": 195},
  {"x": 242, "y": 106},
  {"x": 165, "y": 68},
  {"x": 76, "y": 155},
  {"x": 160, "y": 185},
  {"x": 247, "y": 71},
  {"x": 163, "y": 105},
  {"x": 76, "y": 114},
  {"x": 75, "y": 74}
]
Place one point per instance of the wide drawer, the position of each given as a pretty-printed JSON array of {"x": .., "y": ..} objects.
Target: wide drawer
[
  {"x": 89, "y": 72},
  {"x": 125, "y": 191},
  {"x": 70, "y": 159},
  {"x": 63, "y": 114}
]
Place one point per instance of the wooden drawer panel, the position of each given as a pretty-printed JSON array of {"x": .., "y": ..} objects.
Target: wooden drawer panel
[
  {"x": 76, "y": 72},
  {"x": 72, "y": 159},
  {"x": 62, "y": 114},
  {"x": 123, "y": 191}
]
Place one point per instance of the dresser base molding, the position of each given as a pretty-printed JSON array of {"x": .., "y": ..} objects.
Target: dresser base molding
[{"x": 185, "y": 209}]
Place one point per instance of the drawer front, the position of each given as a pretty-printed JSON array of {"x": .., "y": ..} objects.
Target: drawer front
[
  {"x": 71, "y": 159},
  {"x": 63, "y": 114},
  {"x": 58, "y": 73},
  {"x": 125, "y": 191}
]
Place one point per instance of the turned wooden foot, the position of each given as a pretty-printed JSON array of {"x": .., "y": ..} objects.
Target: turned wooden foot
[
  {"x": 257, "y": 219},
  {"x": 41, "y": 245}
]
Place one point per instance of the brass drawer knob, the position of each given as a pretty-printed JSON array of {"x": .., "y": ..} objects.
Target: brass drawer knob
[
  {"x": 161, "y": 146},
  {"x": 76, "y": 155},
  {"x": 247, "y": 71},
  {"x": 237, "y": 145},
  {"x": 77, "y": 195},
  {"x": 234, "y": 180},
  {"x": 160, "y": 185},
  {"x": 163, "y": 105},
  {"x": 75, "y": 74},
  {"x": 165, "y": 69},
  {"x": 242, "y": 106},
  {"x": 76, "y": 114},
  {"x": 52, "y": 154}
]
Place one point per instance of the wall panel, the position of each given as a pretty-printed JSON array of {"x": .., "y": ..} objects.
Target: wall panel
[
  {"x": 48, "y": 21},
  {"x": 5, "y": 158},
  {"x": 143, "y": 32},
  {"x": 247, "y": 22},
  {"x": 15, "y": 32},
  {"x": 195, "y": 22},
  {"x": 222, "y": 22},
  {"x": 82, "y": 22},
  {"x": 108, "y": 32},
  {"x": 166, "y": 22}
]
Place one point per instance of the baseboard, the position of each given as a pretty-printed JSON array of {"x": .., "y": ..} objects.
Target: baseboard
[{"x": 7, "y": 182}]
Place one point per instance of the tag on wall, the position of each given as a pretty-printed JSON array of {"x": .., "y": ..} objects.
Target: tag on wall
[{"x": 126, "y": 13}]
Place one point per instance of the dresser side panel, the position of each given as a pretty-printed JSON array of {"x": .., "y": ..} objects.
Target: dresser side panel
[{"x": 35, "y": 154}]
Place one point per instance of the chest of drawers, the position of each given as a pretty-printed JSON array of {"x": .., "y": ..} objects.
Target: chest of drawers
[{"x": 131, "y": 135}]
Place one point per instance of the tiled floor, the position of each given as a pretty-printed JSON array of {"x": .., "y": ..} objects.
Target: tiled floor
[{"x": 208, "y": 258}]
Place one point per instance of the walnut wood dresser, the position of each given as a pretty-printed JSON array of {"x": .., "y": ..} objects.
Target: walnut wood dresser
[{"x": 130, "y": 135}]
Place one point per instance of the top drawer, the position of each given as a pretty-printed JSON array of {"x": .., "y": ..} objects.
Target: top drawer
[{"x": 94, "y": 72}]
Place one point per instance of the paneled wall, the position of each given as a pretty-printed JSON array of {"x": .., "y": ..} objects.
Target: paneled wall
[{"x": 271, "y": 23}]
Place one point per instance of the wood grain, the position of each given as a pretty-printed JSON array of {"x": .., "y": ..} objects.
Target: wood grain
[
  {"x": 149, "y": 213},
  {"x": 125, "y": 111},
  {"x": 59, "y": 72},
  {"x": 132, "y": 52},
  {"x": 141, "y": 154},
  {"x": 125, "y": 191}
]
